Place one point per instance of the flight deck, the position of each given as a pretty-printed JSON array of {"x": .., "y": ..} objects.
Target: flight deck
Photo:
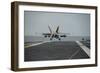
[{"x": 56, "y": 50}]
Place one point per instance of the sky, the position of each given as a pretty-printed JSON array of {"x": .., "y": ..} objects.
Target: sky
[{"x": 36, "y": 23}]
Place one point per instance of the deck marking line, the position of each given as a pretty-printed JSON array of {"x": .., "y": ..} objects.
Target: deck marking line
[
  {"x": 74, "y": 54},
  {"x": 36, "y": 44},
  {"x": 86, "y": 49}
]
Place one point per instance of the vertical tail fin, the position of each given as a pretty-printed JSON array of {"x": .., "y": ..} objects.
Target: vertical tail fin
[
  {"x": 50, "y": 29},
  {"x": 57, "y": 29}
]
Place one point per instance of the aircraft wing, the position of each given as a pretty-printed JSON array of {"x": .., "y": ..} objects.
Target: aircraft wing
[
  {"x": 47, "y": 34},
  {"x": 63, "y": 34}
]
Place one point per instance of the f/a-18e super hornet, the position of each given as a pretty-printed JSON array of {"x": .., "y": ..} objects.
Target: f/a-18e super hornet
[{"x": 55, "y": 34}]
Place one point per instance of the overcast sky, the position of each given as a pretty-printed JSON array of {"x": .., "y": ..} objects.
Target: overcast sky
[{"x": 77, "y": 24}]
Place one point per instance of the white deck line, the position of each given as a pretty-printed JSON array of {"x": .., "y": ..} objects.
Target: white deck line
[
  {"x": 74, "y": 54},
  {"x": 86, "y": 49},
  {"x": 36, "y": 44}
]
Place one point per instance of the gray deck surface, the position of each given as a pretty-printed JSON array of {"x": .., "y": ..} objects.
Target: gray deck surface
[
  {"x": 86, "y": 43},
  {"x": 54, "y": 51}
]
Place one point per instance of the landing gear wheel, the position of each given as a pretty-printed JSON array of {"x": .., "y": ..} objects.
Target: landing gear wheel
[
  {"x": 50, "y": 38},
  {"x": 59, "y": 39}
]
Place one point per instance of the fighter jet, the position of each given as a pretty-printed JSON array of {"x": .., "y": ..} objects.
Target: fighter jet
[{"x": 54, "y": 34}]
